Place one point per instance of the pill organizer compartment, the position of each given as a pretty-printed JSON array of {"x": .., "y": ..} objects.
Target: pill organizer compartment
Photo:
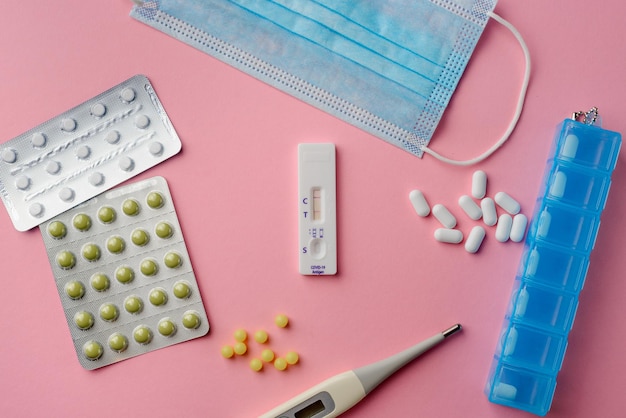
[
  {"x": 532, "y": 349},
  {"x": 565, "y": 226},
  {"x": 543, "y": 307},
  {"x": 553, "y": 267},
  {"x": 587, "y": 145},
  {"x": 519, "y": 388},
  {"x": 580, "y": 188}
]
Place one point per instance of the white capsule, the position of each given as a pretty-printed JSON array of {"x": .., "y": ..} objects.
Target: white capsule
[
  {"x": 543, "y": 226},
  {"x": 507, "y": 203},
  {"x": 490, "y": 216},
  {"x": 503, "y": 230},
  {"x": 470, "y": 207},
  {"x": 522, "y": 303},
  {"x": 511, "y": 342},
  {"x": 505, "y": 391},
  {"x": 518, "y": 228},
  {"x": 444, "y": 216},
  {"x": 447, "y": 235},
  {"x": 570, "y": 146},
  {"x": 419, "y": 203},
  {"x": 479, "y": 184},
  {"x": 557, "y": 189},
  {"x": 475, "y": 239}
]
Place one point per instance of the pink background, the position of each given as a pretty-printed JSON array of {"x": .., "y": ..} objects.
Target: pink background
[{"x": 234, "y": 186}]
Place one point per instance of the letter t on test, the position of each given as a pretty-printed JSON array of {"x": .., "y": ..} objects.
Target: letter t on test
[{"x": 317, "y": 221}]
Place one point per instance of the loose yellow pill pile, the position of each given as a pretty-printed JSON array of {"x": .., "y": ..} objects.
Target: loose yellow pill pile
[{"x": 241, "y": 346}]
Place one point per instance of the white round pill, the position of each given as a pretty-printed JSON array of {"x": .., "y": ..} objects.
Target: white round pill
[
  {"x": 127, "y": 95},
  {"x": 447, "y": 235},
  {"x": 83, "y": 152},
  {"x": 96, "y": 179},
  {"x": 126, "y": 163},
  {"x": 518, "y": 228},
  {"x": 112, "y": 137},
  {"x": 98, "y": 110},
  {"x": 53, "y": 167},
  {"x": 142, "y": 121},
  {"x": 68, "y": 124},
  {"x": 507, "y": 203},
  {"x": 444, "y": 216},
  {"x": 66, "y": 194},
  {"x": 475, "y": 239},
  {"x": 9, "y": 155},
  {"x": 419, "y": 203},
  {"x": 479, "y": 184},
  {"x": 470, "y": 207},
  {"x": 22, "y": 182},
  {"x": 38, "y": 140},
  {"x": 35, "y": 210},
  {"x": 503, "y": 230},
  {"x": 156, "y": 148},
  {"x": 490, "y": 216}
]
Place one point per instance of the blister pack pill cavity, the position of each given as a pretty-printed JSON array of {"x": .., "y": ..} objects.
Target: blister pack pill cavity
[
  {"x": 124, "y": 275},
  {"x": 84, "y": 151}
]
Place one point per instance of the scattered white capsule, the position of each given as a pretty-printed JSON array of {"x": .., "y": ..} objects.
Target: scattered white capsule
[
  {"x": 518, "y": 228},
  {"x": 475, "y": 239},
  {"x": 419, "y": 203},
  {"x": 444, "y": 216},
  {"x": 479, "y": 184},
  {"x": 503, "y": 230},
  {"x": 470, "y": 207},
  {"x": 447, "y": 235},
  {"x": 570, "y": 146},
  {"x": 490, "y": 216},
  {"x": 559, "y": 180},
  {"x": 507, "y": 203}
]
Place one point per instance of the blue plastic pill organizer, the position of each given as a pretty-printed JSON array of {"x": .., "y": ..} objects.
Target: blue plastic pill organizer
[{"x": 553, "y": 267}]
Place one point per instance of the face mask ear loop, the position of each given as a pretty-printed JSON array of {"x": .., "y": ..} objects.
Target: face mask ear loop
[{"x": 518, "y": 109}]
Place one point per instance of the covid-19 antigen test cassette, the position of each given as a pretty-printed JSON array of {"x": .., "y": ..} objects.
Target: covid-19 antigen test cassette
[{"x": 317, "y": 221}]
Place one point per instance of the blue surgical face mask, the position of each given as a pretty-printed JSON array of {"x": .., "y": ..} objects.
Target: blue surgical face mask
[{"x": 388, "y": 67}]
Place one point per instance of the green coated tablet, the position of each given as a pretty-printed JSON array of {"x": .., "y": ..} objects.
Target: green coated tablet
[
  {"x": 142, "y": 334},
  {"x": 66, "y": 260},
  {"x": 191, "y": 320},
  {"x": 133, "y": 304},
  {"x": 115, "y": 244},
  {"x": 124, "y": 274},
  {"x": 181, "y": 290},
  {"x": 163, "y": 230},
  {"x": 92, "y": 350},
  {"x": 148, "y": 267},
  {"x": 172, "y": 260},
  {"x": 256, "y": 364},
  {"x": 280, "y": 364},
  {"x": 74, "y": 289},
  {"x": 154, "y": 200},
  {"x": 82, "y": 222},
  {"x": 139, "y": 237},
  {"x": 57, "y": 229},
  {"x": 131, "y": 207},
  {"x": 118, "y": 342},
  {"x": 91, "y": 252},
  {"x": 158, "y": 297},
  {"x": 83, "y": 319},
  {"x": 166, "y": 327},
  {"x": 109, "y": 312},
  {"x": 100, "y": 282},
  {"x": 106, "y": 214}
]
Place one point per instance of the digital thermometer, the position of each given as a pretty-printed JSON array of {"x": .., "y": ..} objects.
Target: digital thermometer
[
  {"x": 317, "y": 222},
  {"x": 336, "y": 395}
]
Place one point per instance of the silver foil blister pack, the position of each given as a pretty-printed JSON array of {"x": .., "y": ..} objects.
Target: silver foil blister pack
[
  {"x": 84, "y": 151},
  {"x": 124, "y": 275}
]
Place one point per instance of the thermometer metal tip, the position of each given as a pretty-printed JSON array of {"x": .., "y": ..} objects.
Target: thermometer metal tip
[{"x": 453, "y": 329}]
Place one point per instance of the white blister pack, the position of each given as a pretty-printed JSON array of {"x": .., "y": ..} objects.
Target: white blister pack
[
  {"x": 84, "y": 152},
  {"x": 124, "y": 275}
]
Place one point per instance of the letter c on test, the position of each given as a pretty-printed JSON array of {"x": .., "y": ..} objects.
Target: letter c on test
[{"x": 305, "y": 200}]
